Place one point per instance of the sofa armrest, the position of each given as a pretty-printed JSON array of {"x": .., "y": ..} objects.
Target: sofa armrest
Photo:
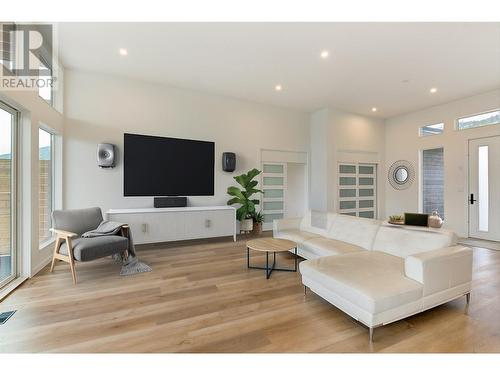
[
  {"x": 440, "y": 269},
  {"x": 284, "y": 224}
]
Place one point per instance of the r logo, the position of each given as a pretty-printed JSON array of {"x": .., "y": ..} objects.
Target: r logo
[{"x": 30, "y": 47}]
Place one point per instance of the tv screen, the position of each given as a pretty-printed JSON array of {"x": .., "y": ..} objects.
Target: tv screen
[{"x": 158, "y": 166}]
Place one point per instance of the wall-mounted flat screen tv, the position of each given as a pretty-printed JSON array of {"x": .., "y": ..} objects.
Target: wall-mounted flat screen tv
[{"x": 159, "y": 166}]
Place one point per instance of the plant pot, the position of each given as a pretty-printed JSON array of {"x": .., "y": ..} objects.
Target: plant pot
[
  {"x": 257, "y": 229},
  {"x": 246, "y": 225}
]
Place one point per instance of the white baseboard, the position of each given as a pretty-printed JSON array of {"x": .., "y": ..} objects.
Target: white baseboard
[{"x": 40, "y": 266}]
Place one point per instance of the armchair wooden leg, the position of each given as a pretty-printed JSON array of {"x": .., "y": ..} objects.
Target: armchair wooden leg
[
  {"x": 71, "y": 260},
  {"x": 56, "y": 250}
]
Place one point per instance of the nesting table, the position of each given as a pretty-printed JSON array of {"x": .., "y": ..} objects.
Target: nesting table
[{"x": 271, "y": 245}]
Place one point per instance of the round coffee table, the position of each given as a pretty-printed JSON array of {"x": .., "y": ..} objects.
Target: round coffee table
[{"x": 271, "y": 245}]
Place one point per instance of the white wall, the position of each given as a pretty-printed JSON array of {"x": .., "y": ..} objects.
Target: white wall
[
  {"x": 339, "y": 136},
  {"x": 101, "y": 108},
  {"x": 296, "y": 193},
  {"x": 318, "y": 172},
  {"x": 402, "y": 141}
]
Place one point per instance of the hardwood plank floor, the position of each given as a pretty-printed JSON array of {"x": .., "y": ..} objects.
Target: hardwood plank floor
[{"x": 200, "y": 297}]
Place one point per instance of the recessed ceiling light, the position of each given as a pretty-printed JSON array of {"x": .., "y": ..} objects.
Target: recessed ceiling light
[
  {"x": 324, "y": 54},
  {"x": 278, "y": 87},
  {"x": 374, "y": 109},
  {"x": 123, "y": 52},
  {"x": 433, "y": 90}
]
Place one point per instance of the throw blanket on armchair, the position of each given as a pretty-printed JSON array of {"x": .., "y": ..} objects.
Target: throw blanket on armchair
[{"x": 131, "y": 265}]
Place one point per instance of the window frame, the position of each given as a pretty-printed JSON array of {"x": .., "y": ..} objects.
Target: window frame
[
  {"x": 49, "y": 240},
  {"x": 421, "y": 202},
  {"x": 14, "y": 193},
  {"x": 420, "y": 132},
  {"x": 457, "y": 127},
  {"x": 49, "y": 68}
]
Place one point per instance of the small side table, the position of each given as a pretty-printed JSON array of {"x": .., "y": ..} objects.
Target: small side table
[{"x": 271, "y": 245}]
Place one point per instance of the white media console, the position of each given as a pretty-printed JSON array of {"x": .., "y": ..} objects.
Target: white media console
[{"x": 150, "y": 225}]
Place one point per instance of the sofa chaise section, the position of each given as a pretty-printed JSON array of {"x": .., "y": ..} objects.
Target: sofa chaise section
[{"x": 379, "y": 273}]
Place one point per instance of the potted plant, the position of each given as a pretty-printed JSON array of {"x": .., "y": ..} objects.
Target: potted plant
[
  {"x": 258, "y": 218},
  {"x": 243, "y": 197}
]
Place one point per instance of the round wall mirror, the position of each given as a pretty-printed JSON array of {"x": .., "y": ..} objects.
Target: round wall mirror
[{"x": 401, "y": 175}]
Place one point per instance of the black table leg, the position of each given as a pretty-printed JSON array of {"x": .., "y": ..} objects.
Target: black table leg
[
  {"x": 270, "y": 269},
  {"x": 295, "y": 258},
  {"x": 267, "y": 265}
]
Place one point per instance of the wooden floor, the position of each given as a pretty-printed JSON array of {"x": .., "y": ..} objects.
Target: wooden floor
[{"x": 201, "y": 298}]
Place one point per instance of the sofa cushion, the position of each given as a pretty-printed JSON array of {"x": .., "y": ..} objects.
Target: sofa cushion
[
  {"x": 315, "y": 222},
  {"x": 85, "y": 249},
  {"x": 355, "y": 230},
  {"x": 296, "y": 235},
  {"x": 403, "y": 242},
  {"x": 373, "y": 280},
  {"x": 322, "y": 246}
]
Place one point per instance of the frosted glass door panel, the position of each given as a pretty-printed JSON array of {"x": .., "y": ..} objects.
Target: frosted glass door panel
[
  {"x": 274, "y": 188},
  {"x": 357, "y": 189}
]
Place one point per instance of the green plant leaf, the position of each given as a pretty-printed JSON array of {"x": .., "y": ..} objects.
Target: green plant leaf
[
  {"x": 252, "y": 174},
  {"x": 235, "y": 200},
  {"x": 242, "y": 180},
  {"x": 234, "y": 191}
]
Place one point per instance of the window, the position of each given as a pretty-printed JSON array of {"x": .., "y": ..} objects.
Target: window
[
  {"x": 45, "y": 89},
  {"x": 476, "y": 121},
  {"x": 433, "y": 181},
  {"x": 8, "y": 143},
  {"x": 431, "y": 129},
  {"x": 357, "y": 190},
  {"x": 46, "y": 183}
]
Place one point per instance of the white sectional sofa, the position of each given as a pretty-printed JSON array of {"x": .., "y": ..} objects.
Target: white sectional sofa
[{"x": 376, "y": 272}]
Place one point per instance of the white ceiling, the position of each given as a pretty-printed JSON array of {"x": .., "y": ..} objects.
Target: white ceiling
[{"x": 390, "y": 66}]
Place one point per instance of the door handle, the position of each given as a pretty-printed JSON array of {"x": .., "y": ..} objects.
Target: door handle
[{"x": 471, "y": 199}]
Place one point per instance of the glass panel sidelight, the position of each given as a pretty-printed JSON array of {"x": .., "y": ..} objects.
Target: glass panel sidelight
[
  {"x": 347, "y": 193},
  {"x": 347, "y": 180},
  {"x": 366, "y": 204},
  {"x": 349, "y": 169},
  {"x": 344, "y": 205},
  {"x": 273, "y": 168},
  {"x": 273, "y": 193},
  {"x": 483, "y": 198},
  {"x": 366, "y": 169},
  {"x": 366, "y": 192},
  {"x": 270, "y": 206},
  {"x": 273, "y": 181},
  {"x": 365, "y": 181},
  {"x": 367, "y": 214}
]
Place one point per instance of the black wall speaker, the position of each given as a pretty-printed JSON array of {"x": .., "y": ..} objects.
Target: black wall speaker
[
  {"x": 106, "y": 155},
  {"x": 162, "y": 202},
  {"x": 228, "y": 161}
]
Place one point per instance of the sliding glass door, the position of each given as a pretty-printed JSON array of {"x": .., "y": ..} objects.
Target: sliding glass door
[{"x": 8, "y": 131}]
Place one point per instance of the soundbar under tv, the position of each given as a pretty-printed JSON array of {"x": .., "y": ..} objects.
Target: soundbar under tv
[{"x": 160, "y": 166}]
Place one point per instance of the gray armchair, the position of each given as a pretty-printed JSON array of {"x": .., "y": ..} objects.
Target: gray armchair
[{"x": 69, "y": 225}]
